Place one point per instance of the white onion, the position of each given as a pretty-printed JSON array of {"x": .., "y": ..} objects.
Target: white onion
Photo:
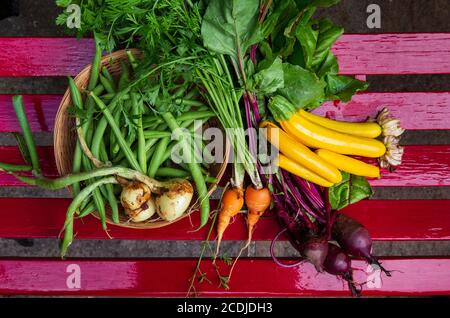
[
  {"x": 134, "y": 194},
  {"x": 171, "y": 204},
  {"x": 143, "y": 213}
]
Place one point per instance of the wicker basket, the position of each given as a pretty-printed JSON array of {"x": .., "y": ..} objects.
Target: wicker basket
[{"x": 65, "y": 139}]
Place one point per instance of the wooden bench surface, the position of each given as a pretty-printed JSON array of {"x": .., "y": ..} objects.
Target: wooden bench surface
[{"x": 425, "y": 165}]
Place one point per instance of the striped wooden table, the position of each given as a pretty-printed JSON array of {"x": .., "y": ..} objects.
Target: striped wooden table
[{"x": 390, "y": 220}]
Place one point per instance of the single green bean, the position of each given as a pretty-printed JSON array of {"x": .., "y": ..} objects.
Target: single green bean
[
  {"x": 124, "y": 79},
  {"x": 183, "y": 117},
  {"x": 133, "y": 61},
  {"x": 125, "y": 147},
  {"x": 109, "y": 86},
  {"x": 75, "y": 94},
  {"x": 14, "y": 168},
  {"x": 98, "y": 194},
  {"x": 74, "y": 205},
  {"x": 88, "y": 209},
  {"x": 168, "y": 172},
  {"x": 76, "y": 163},
  {"x": 142, "y": 158},
  {"x": 26, "y": 130},
  {"x": 107, "y": 74},
  {"x": 155, "y": 134},
  {"x": 95, "y": 70},
  {"x": 157, "y": 157},
  {"x": 112, "y": 200},
  {"x": 194, "y": 168}
]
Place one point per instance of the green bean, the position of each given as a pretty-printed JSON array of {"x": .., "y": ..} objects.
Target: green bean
[
  {"x": 112, "y": 200},
  {"x": 95, "y": 70},
  {"x": 194, "y": 168},
  {"x": 142, "y": 158},
  {"x": 76, "y": 164},
  {"x": 187, "y": 102},
  {"x": 211, "y": 179},
  {"x": 113, "y": 146},
  {"x": 124, "y": 79},
  {"x": 123, "y": 145},
  {"x": 107, "y": 74},
  {"x": 109, "y": 86},
  {"x": 109, "y": 96},
  {"x": 14, "y": 168},
  {"x": 88, "y": 209},
  {"x": 98, "y": 194},
  {"x": 74, "y": 205},
  {"x": 172, "y": 173},
  {"x": 75, "y": 94},
  {"x": 158, "y": 156},
  {"x": 183, "y": 117},
  {"x": 133, "y": 62},
  {"x": 26, "y": 130},
  {"x": 155, "y": 134}
]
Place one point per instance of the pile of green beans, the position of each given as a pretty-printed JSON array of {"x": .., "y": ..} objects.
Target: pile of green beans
[
  {"x": 119, "y": 127},
  {"x": 119, "y": 135}
]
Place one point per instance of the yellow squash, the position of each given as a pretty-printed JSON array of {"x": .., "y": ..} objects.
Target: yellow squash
[
  {"x": 300, "y": 153},
  {"x": 348, "y": 164},
  {"x": 297, "y": 169},
  {"x": 316, "y": 136},
  {"x": 367, "y": 129}
]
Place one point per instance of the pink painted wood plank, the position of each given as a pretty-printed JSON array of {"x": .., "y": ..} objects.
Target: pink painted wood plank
[
  {"x": 422, "y": 166},
  {"x": 417, "y": 111},
  {"x": 366, "y": 54},
  {"x": 43, "y": 217},
  {"x": 412, "y": 277},
  {"x": 41, "y": 111},
  {"x": 407, "y": 53},
  {"x": 33, "y": 56}
]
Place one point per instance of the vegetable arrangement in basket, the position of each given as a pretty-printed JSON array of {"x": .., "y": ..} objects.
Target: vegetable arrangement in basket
[{"x": 252, "y": 65}]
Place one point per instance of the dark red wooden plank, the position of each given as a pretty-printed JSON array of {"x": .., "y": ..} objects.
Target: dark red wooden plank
[
  {"x": 41, "y": 111},
  {"x": 40, "y": 218},
  {"x": 412, "y": 277},
  {"x": 422, "y": 166},
  {"x": 409, "y": 53},
  {"x": 11, "y": 154},
  {"x": 32, "y": 56},
  {"x": 416, "y": 111},
  {"x": 430, "y": 110}
]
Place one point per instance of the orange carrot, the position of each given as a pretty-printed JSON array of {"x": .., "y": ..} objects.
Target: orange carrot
[
  {"x": 257, "y": 202},
  {"x": 232, "y": 202}
]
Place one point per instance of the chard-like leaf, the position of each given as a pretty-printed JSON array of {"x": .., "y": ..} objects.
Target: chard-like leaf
[
  {"x": 350, "y": 190},
  {"x": 268, "y": 80},
  {"x": 343, "y": 87},
  {"x": 302, "y": 87},
  {"x": 231, "y": 27}
]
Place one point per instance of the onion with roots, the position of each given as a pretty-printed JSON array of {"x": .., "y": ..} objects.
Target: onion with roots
[{"x": 173, "y": 199}]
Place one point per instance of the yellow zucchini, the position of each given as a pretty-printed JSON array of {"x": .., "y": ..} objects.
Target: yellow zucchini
[
  {"x": 367, "y": 129},
  {"x": 316, "y": 136},
  {"x": 300, "y": 153},
  {"x": 348, "y": 164},
  {"x": 297, "y": 169}
]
